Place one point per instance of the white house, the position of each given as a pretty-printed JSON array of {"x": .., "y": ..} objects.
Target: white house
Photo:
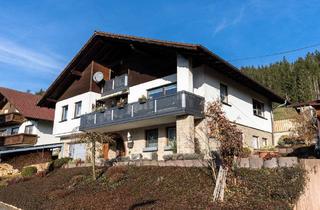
[
  {"x": 152, "y": 93},
  {"x": 23, "y": 125}
]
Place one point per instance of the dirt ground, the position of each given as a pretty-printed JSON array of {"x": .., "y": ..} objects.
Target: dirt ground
[{"x": 136, "y": 188}]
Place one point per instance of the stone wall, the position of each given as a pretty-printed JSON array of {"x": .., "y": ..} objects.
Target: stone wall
[
  {"x": 175, "y": 163},
  {"x": 257, "y": 163},
  {"x": 310, "y": 199}
]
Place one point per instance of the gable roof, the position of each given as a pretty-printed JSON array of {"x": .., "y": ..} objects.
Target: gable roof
[
  {"x": 194, "y": 50},
  {"x": 26, "y": 104}
]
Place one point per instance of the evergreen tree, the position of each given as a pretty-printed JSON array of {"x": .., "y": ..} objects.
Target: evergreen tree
[{"x": 300, "y": 80}]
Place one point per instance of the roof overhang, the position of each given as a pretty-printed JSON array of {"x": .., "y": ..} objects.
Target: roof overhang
[
  {"x": 33, "y": 148},
  {"x": 99, "y": 40}
]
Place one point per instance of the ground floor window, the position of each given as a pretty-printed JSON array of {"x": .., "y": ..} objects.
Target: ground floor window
[
  {"x": 171, "y": 136},
  {"x": 265, "y": 142},
  {"x": 152, "y": 138},
  {"x": 255, "y": 142}
]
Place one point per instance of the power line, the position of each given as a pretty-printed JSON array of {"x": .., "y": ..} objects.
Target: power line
[{"x": 275, "y": 54}]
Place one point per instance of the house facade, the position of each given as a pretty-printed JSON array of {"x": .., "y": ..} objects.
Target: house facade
[
  {"x": 23, "y": 125},
  {"x": 152, "y": 95}
]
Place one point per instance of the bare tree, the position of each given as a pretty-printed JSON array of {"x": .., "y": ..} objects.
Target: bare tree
[
  {"x": 305, "y": 128},
  {"x": 227, "y": 136},
  {"x": 220, "y": 141},
  {"x": 92, "y": 138}
]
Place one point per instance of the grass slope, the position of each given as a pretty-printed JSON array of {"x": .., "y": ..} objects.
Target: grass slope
[{"x": 155, "y": 188}]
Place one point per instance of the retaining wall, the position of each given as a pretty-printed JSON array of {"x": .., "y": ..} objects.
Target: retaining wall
[{"x": 310, "y": 199}]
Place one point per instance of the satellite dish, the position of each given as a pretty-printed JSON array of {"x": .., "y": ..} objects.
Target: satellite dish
[{"x": 98, "y": 77}]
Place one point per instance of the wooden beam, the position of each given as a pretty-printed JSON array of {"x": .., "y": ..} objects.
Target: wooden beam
[
  {"x": 51, "y": 100},
  {"x": 76, "y": 73}
]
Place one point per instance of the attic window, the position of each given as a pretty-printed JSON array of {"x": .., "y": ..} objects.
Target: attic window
[{"x": 258, "y": 108}]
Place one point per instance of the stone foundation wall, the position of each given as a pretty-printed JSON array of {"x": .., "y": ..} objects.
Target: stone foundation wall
[
  {"x": 258, "y": 163},
  {"x": 248, "y": 134}
]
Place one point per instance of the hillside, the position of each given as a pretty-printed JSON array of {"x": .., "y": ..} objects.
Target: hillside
[
  {"x": 299, "y": 80},
  {"x": 147, "y": 187}
]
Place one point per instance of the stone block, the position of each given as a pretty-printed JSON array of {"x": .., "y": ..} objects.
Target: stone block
[
  {"x": 255, "y": 163},
  {"x": 243, "y": 163},
  {"x": 287, "y": 161},
  {"x": 161, "y": 163},
  {"x": 150, "y": 163},
  {"x": 272, "y": 163},
  {"x": 179, "y": 163},
  {"x": 170, "y": 163}
]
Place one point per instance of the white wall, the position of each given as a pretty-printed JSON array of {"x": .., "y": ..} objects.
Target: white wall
[
  {"x": 207, "y": 84},
  {"x": 67, "y": 127},
  {"x": 135, "y": 92},
  {"x": 43, "y": 129},
  {"x": 185, "y": 74}
]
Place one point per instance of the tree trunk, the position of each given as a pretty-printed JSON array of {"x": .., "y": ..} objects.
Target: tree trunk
[{"x": 93, "y": 160}]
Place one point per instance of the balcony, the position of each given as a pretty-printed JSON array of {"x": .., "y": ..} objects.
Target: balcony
[
  {"x": 21, "y": 139},
  {"x": 152, "y": 112},
  {"x": 119, "y": 83},
  {"x": 11, "y": 119}
]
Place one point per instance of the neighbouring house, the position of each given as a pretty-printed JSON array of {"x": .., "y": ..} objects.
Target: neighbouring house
[
  {"x": 152, "y": 94},
  {"x": 313, "y": 110},
  {"x": 24, "y": 126},
  {"x": 287, "y": 120}
]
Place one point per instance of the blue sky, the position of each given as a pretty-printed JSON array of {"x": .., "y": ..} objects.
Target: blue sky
[{"x": 39, "y": 38}]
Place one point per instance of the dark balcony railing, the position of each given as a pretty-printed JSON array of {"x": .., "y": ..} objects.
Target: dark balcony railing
[
  {"x": 180, "y": 103},
  {"x": 18, "y": 139},
  {"x": 11, "y": 119},
  {"x": 117, "y": 84}
]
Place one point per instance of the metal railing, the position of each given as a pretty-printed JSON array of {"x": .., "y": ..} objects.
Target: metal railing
[
  {"x": 180, "y": 103},
  {"x": 119, "y": 83}
]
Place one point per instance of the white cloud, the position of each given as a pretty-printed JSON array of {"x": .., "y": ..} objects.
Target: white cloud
[
  {"x": 227, "y": 22},
  {"x": 26, "y": 58}
]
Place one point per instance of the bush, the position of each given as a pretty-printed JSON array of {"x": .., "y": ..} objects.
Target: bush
[
  {"x": 280, "y": 185},
  {"x": 116, "y": 174},
  {"x": 154, "y": 156},
  {"x": 58, "y": 163},
  {"x": 246, "y": 152},
  {"x": 167, "y": 157},
  {"x": 29, "y": 171}
]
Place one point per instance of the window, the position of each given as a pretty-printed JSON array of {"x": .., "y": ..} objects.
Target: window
[
  {"x": 152, "y": 138},
  {"x": 264, "y": 142},
  {"x": 255, "y": 142},
  {"x": 258, "y": 108},
  {"x": 3, "y": 132},
  {"x": 223, "y": 93},
  {"x": 64, "y": 113},
  {"x": 28, "y": 129},
  {"x": 14, "y": 130},
  {"x": 162, "y": 91},
  {"x": 171, "y": 136},
  {"x": 77, "y": 109}
]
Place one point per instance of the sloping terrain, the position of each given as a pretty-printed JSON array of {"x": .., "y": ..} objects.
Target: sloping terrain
[{"x": 146, "y": 187}]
